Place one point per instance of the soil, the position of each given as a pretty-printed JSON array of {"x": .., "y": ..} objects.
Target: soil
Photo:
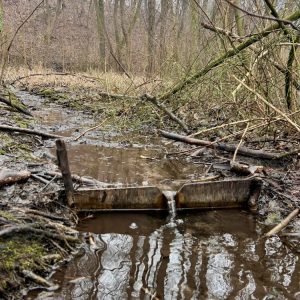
[{"x": 49, "y": 237}]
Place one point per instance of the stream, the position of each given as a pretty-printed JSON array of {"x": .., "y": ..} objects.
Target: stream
[{"x": 213, "y": 254}]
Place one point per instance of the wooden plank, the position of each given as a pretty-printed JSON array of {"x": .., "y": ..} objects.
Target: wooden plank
[
  {"x": 215, "y": 194},
  {"x": 63, "y": 163},
  {"x": 143, "y": 198}
]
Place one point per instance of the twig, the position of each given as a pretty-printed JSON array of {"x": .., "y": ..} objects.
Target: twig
[
  {"x": 296, "y": 126},
  {"x": 29, "y": 131},
  {"x": 88, "y": 130},
  {"x": 169, "y": 113},
  {"x": 40, "y": 179},
  {"x": 284, "y": 21},
  {"x": 283, "y": 223},
  {"x": 38, "y": 279},
  {"x": 239, "y": 144}
]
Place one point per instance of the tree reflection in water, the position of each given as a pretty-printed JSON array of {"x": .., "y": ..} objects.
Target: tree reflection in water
[{"x": 224, "y": 260}]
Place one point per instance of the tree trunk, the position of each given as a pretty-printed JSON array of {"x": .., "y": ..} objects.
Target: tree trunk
[
  {"x": 165, "y": 6},
  {"x": 151, "y": 34},
  {"x": 1, "y": 16},
  {"x": 52, "y": 20},
  {"x": 99, "y": 6},
  {"x": 228, "y": 54}
]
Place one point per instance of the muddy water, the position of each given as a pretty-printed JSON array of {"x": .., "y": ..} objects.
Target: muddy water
[
  {"x": 131, "y": 166},
  {"x": 208, "y": 255},
  {"x": 203, "y": 255},
  {"x": 111, "y": 157}
]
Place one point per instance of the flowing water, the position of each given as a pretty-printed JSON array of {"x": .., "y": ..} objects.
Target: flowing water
[{"x": 209, "y": 255}]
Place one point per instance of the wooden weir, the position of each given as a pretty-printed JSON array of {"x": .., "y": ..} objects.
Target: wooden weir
[{"x": 234, "y": 193}]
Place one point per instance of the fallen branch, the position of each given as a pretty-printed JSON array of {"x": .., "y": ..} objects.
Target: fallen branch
[
  {"x": 82, "y": 180},
  {"x": 9, "y": 177},
  {"x": 283, "y": 223},
  {"x": 7, "y": 231},
  {"x": 88, "y": 130},
  {"x": 47, "y": 215},
  {"x": 17, "y": 107},
  {"x": 296, "y": 126},
  {"x": 163, "y": 108},
  {"x": 29, "y": 131},
  {"x": 39, "y": 280},
  {"x": 220, "y": 146}
]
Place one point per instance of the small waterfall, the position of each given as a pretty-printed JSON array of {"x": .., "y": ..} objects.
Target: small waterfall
[{"x": 170, "y": 195}]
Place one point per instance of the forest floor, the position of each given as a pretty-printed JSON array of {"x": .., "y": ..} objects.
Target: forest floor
[{"x": 36, "y": 209}]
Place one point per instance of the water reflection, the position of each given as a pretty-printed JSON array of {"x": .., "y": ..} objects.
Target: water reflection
[
  {"x": 227, "y": 259},
  {"x": 130, "y": 166}
]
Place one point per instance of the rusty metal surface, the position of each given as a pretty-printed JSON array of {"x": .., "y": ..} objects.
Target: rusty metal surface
[{"x": 225, "y": 194}]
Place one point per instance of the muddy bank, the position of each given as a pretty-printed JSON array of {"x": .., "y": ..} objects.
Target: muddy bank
[{"x": 112, "y": 155}]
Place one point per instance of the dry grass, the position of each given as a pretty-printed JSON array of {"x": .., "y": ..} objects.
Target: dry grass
[{"x": 93, "y": 80}]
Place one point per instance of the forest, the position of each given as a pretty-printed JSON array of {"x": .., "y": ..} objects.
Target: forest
[{"x": 149, "y": 149}]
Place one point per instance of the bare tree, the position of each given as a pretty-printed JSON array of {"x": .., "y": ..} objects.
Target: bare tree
[
  {"x": 99, "y": 6},
  {"x": 151, "y": 6},
  {"x": 52, "y": 18},
  {"x": 1, "y": 16}
]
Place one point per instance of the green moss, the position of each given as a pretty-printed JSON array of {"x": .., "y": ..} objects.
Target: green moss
[
  {"x": 46, "y": 92},
  {"x": 7, "y": 215},
  {"x": 20, "y": 254},
  {"x": 2, "y": 151},
  {"x": 273, "y": 218}
]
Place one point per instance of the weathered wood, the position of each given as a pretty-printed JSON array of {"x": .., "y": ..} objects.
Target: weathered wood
[
  {"x": 143, "y": 198},
  {"x": 255, "y": 188},
  {"x": 63, "y": 163},
  {"x": 220, "y": 146},
  {"x": 39, "y": 280},
  {"x": 29, "y": 131},
  {"x": 283, "y": 223},
  {"x": 214, "y": 194},
  {"x": 81, "y": 179},
  {"x": 9, "y": 176},
  {"x": 217, "y": 194}
]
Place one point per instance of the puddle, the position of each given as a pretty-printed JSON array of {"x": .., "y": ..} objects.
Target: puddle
[
  {"x": 126, "y": 159},
  {"x": 210, "y": 255},
  {"x": 131, "y": 166}
]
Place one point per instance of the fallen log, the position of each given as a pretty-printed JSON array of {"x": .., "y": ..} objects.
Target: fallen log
[
  {"x": 15, "y": 106},
  {"x": 283, "y": 223},
  {"x": 10, "y": 177},
  {"x": 220, "y": 146},
  {"x": 29, "y": 131}
]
